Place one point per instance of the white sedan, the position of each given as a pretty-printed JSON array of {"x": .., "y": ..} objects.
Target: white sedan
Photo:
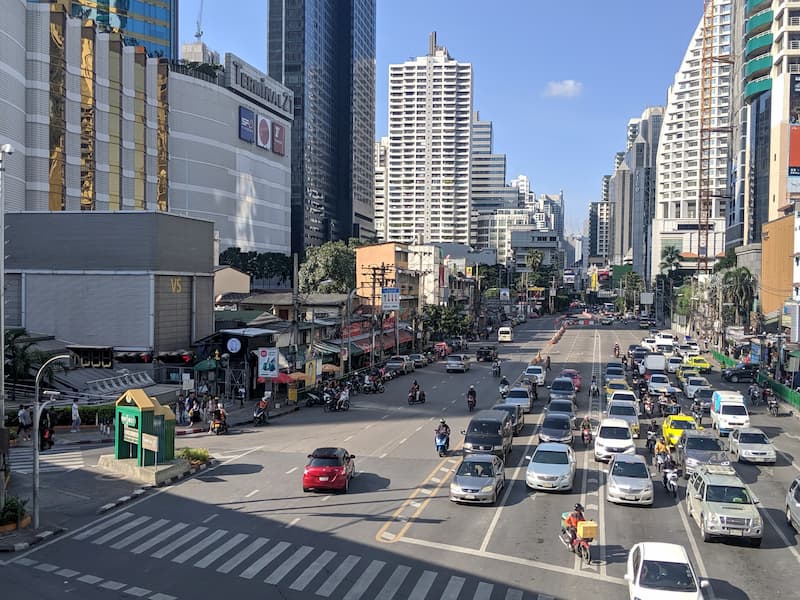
[
  {"x": 658, "y": 383},
  {"x": 552, "y": 467},
  {"x": 692, "y": 384},
  {"x": 536, "y": 373},
  {"x": 751, "y": 445},
  {"x": 659, "y": 570}
]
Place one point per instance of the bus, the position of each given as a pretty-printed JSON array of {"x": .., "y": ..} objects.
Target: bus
[{"x": 505, "y": 334}]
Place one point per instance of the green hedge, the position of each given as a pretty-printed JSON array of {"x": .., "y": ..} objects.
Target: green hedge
[
  {"x": 63, "y": 414},
  {"x": 723, "y": 360}
]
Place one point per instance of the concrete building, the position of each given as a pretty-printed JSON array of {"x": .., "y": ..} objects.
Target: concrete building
[
  {"x": 428, "y": 261},
  {"x": 430, "y": 131},
  {"x": 547, "y": 242},
  {"x": 676, "y": 221},
  {"x": 381, "y": 187},
  {"x": 552, "y": 205},
  {"x": 493, "y": 229},
  {"x": 620, "y": 194},
  {"x": 230, "y": 280},
  {"x": 524, "y": 191},
  {"x": 488, "y": 188},
  {"x": 386, "y": 265},
  {"x": 777, "y": 266},
  {"x": 325, "y": 53},
  {"x": 599, "y": 225},
  {"x": 199, "y": 52},
  {"x": 152, "y": 268}
]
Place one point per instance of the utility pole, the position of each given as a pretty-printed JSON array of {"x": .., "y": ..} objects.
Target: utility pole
[
  {"x": 296, "y": 308},
  {"x": 378, "y": 275}
]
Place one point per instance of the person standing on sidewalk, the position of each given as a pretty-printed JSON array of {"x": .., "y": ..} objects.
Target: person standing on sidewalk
[
  {"x": 547, "y": 363},
  {"x": 25, "y": 423},
  {"x": 76, "y": 417}
]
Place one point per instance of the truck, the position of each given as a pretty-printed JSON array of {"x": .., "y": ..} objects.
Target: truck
[
  {"x": 728, "y": 411},
  {"x": 653, "y": 362}
]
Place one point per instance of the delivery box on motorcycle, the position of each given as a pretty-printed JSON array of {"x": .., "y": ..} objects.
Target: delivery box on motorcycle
[{"x": 587, "y": 530}]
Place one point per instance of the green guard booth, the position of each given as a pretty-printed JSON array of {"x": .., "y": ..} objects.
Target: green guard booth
[{"x": 145, "y": 430}]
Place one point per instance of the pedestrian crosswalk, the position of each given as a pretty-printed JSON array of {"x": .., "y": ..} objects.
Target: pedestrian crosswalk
[
  {"x": 50, "y": 461},
  {"x": 298, "y": 567}
]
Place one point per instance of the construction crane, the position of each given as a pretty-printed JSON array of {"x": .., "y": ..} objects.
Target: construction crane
[
  {"x": 710, "y": 124},
  {"x": 199, "y": 33}
]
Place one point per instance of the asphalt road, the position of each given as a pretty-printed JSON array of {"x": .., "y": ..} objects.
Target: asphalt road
[{"x": 247, "y": 528}]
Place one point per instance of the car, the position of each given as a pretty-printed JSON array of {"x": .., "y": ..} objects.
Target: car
[
  {"x": 693, "y": 345},
  {"x": 577, "y": 380},
  {"x": 692, "y": 384},
  {"x": 695, "y": 448},
  {"x": 329, "y": 469},
  {"x": 741, "y": 372},
  {"x": 606, "y": 321},
  {"x": 633, "y": 348},
  {"x": 479, "y": 479},
  {"x": 674, "y": 363},
  {"x": 649, "y": 344},
  {"x": 614, "y": 362},
  {"x": 521, "y": 396},
  {"x": 552, "y": 467},
  {"x": 557, "y": 428},
  {"x": 457, "y": 362},
  {"x": 683, "y": 372},
  {"x": 517, "y": 415},
  {"x": 400, "y": 362},
  {"x": 486, "y": 354},
  {"x": 639, "y": 355},
  {"x": 682, "y": 350},
  {"x": 535, "y": 373},
  {"x": 659, "y": 383},
  {"x": 674, "y": 425},
  {"x": 613, "y": 372},
  {"x": 625, "y": 410},
  {"x": 626, "y": 395},
  {"x": 703, "y": 396},
  {"x": 419, "y": 360},
  {"x": 699, "y": 363},
  {"x": 661, "y": 570},
  {"x": 644, "y": 324},
  {"x": 793, "y": 505},
  {"x": 616, "y": 385},
  {"x": 613, "y": 437},
  {"x": 629, "y": 480},
  {"x": 562, "y": 387},
  {"x": 749, "y": 444},
  {"x": 563, "y": 406},
  {"x": 722, "y": 505}
]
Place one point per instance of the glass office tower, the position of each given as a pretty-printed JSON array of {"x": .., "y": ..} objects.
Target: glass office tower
[{"x": 325, "y": 53}]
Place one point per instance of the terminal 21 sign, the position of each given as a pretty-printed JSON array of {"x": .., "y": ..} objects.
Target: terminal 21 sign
[{"x": 262, "y": 131}]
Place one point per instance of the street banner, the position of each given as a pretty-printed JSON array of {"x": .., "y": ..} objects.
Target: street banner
[
  {"x": 390, "y": 299},
  {"x": 268, "y": 362}
]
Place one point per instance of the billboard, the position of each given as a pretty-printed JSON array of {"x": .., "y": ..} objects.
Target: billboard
[
  {"x": 793, "y": 187},
  {"x": 268, "y": 362},
  {"x": 278, "y": 139},
  {"x": 264, "y": 133},
  {"x": 390, "y": 299},
  {"x": 247, "y": 125}
]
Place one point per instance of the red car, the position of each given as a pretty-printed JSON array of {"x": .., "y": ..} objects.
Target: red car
[
  {"x": 577, "y": 380},
  {"x": 329, "y": 469}
]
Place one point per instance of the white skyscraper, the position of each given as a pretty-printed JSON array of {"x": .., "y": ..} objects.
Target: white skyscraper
[
  {"x": 381, "y": 185},
  {"x": 430, "y": 131},
  {"x": 676, "y": 220}
]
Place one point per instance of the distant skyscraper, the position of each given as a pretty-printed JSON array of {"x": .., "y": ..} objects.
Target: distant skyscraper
[
  {"x": 599, "y": 219},
  {"x": 149, "y": 23},
  {"x": 430, "y": 135},
  {"x": 199, "y": 52},
  {"x": 523, "y": 185},
  {"x": 325, "y": 53},
  {"x": 381, "y": 187},
  {"x": 488, "y": 184}
]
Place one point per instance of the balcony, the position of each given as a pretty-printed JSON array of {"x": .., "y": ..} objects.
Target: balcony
[
  {"x": 759, "y": 23},
  {"x": 753, "y": 6},
  {"x": 758, "y": 45},
  {"x": 756, "y": 87},
  {"x": 757, "y": 67}
]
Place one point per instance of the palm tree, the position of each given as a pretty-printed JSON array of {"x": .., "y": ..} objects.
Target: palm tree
[
  {"x": 21, "y": 358},
  {"x": 631, "y": 283},
  {"x": 534, "y": 259},
  {"x": 740, "y": 289},
  {"x": 670, "y": 259}
]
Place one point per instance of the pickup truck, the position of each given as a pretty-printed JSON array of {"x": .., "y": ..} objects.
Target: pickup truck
[
  {"x": 402, "y": 363},
  {"x": 486, "y": 354}
]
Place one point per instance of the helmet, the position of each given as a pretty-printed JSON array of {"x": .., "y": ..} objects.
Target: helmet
[
  {"x": 472, "y": 387},
  {"x": 579, "y": 507},
  {"x": 441, "y": 420},
  {"x": 219, "y": 405},
  {"x": 653, "y": 422}
]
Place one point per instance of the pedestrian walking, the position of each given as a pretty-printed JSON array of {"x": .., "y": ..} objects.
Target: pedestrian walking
[
  {"x": 547, "y": 363},
  {"x": 25, "y": 423},
  {"x": 76, "y": 417},
  {"x": 179, "y": 408}
]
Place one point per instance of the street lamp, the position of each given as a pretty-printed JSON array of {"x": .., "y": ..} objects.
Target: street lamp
[
  {"x": 37, "y": 413},
  {"x": 5, "y": 149}
]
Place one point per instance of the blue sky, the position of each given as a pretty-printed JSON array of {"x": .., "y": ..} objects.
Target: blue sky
[{"x": 559, "y": 79}]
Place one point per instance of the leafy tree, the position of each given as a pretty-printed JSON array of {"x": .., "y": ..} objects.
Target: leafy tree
[
  {"x": 728, "y": 262},
  {"x": 534, "y": 259},
  {"x": 740, "y": 289},
  {"x": 22, "y": 358},
  {"x": 274, "y": 265},
  {"x": 631, "y": 284},
  {"x": 444, "y": 321},
  {"x": 670, "y": 259},
  {"x": 233, "y": 257},
  {"x": 329, "y": 268}
]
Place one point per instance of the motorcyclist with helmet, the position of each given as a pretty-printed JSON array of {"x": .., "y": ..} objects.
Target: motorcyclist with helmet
[
  {"x": 444, "y": 429},
  {"x": 414, "y": 391},
  {"x": 472, "y": 396},
  {"x": 571, "y": 522}
]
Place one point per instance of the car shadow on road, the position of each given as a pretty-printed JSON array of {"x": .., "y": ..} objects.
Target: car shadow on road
[
  {"x": 725, "y": 591},
  {"x": 616, "y": 554},
  {"x": 368, "y": 482},
  {"x": 230, "y": 469}
]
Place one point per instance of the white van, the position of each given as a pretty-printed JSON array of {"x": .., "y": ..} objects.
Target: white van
[
  {"x": 728, "y": 412},
  {"x": 505, "y": 334},
  {"x": 665, "y": 337}
]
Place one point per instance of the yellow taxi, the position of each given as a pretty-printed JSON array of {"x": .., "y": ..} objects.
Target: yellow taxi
[
  {"x": 674, "y": 426},
  {"x": 698, "y": 362},
  {"x": 616, "y": 385},
  {"x": 684, "y": 372}
]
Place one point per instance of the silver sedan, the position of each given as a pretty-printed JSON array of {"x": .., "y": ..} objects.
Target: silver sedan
[
  {"x": 629, "y": 480},
  {"x": 752, "y": 445},
  {"x": 552, "y": 468},
  {"x": 479, "y": 479}
]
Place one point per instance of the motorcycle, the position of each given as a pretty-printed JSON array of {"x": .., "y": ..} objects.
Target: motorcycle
[
  {"x": 503, "y": 391},
  {"x": 260, "y": 415},
  {"x": 594, "y": 391},
  {"x": 495, "y": 370},
  {"x": 418, "y": 398},
  {"x": 670, "y": 481},
  {"x": 660, "y": 459},
  {"x": 651, "y": 441},
  {"x": 374, "y": 387},
  {"x": 442, "y": 444},
  {"x": 219, "y": 426},
  {"x": 332, "y": 405},
  {"x": 47, "y": 439},
  {"x": 579, "y": 545},
  {"x": 586, "y": 436},
  {"x": 314, "y": 399},
  {"x": 648, "y": 408},
  {"x": 772, "y": 404},
  {"x": 616, "y": 352},
  {"x": 471, "y": 401}
]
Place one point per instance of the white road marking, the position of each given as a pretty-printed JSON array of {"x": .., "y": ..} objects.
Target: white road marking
[
  {"x": 292, "y": 470},
  {"x": 251, "y": 494},
  {"x": 326, "y": 498},
  {"x": 453, "y": 588},
  {"x": 200, "y": 546},
  {"x": 393, "y": 584},
  {"x": 121, "y": 529},
  {"x": 424, "y": 584},
  {"x": 211, "y": 518},
  {"x": 484, "y": 591},
  {"x": 184, "y": 539},
  {"x": 208, "y": 559},
  {"x": 312, "y": 571},
  {"x": 403, "y": 441},
  {"x": 382, "y": 455},
  {"x": 348, "y": 438},
  {"x": 338, "y": 576},
  {"x": 242, "y": 555},
  {"x": 418, "y": 428},
  {"x": 366, "y": 579},
  {"x": 436, "y": 480},
  {"x": 289, "y": 564},
  {"x": 262, "y": 562},
  {"x": 143, "y": 532},
  {"x": 293, "y": 522},
  {"x": 89, "y": 532},
  {"x": 159, "y": 538}
]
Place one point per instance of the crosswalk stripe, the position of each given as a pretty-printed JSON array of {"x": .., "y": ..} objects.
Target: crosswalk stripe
[
  {"x": 393, "y": 583},
  {"x": 453, "y": 588},
  {"x": 227, "y": 546},
  {"x": 199, "y": 547},
  {"x": 513, "y": 594},
  {"x": 423, "y": 586},
  {"x": 289, "y": 564},
  {"x": 544, "y": 597},
  {"x": 87, "y": 533},
  {"x": 312, "y": 571},
  {"x": 120, "y": 530},
  {"x": 144, "y": 547},
  {"x": 262, "y": 562},
  {"x": 484, "y": 591},
  {"x": 332, "y": 582},
  {"x": 363, "y": 582},
  {"x": 129, "y": 539},
  {"x": 184, "y": 539},
  {"x": 242, "y": 555}
]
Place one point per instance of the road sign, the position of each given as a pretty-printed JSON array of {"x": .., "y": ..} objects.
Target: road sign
[
  {"x": 150, "y": 442},
  {"x": 129, "y": 434},
  {"x": 390, "y": 299}
]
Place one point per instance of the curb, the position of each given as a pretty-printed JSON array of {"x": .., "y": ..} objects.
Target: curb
[
  {"x": 142, "y": 490},
  {"x": 76, "y": 442},
  {"x": 38, "y": 538}
]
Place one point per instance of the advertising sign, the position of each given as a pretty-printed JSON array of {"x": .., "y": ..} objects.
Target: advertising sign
[
  {"x": 646, "y": 298},
  {"x": 390, "y": 299},
  {"x": 248, "y": 81},
  {"x": 278, "y": 139},
  {"x": 793, "y": 188},
  {"x": 247, "y": 125},
  {"x": 264, "y": 133},
  {"x": 268, "y": 362}
]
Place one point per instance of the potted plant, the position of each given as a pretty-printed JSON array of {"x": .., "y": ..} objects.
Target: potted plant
[{"x": 14, "y": 514}]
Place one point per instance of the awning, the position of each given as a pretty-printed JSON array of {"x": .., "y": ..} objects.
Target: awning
[
  {"x": 326, "y": 348},
  {"x": 208, "y": 364}
]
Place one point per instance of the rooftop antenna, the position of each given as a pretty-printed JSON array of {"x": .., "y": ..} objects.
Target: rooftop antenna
[{"x": 199, "y": 33}]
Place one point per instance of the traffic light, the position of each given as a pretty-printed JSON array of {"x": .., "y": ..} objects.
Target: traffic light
[{"x": 95, "y": 357}]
